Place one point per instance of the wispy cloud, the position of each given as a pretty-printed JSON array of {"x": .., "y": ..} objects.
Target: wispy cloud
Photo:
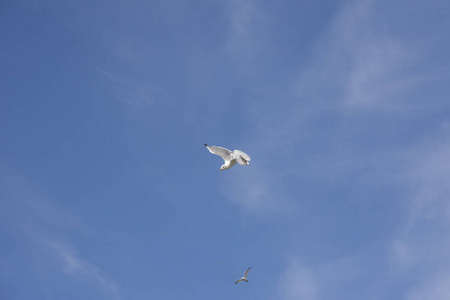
[
  {"x": 297, "y": 282},
  {"x": 437, "y": 287},
  {"x": 246, "y": 43},
  {"x": 376, "y": 78},
  {"x": 358, "y": 72},
  {"x": 138, "y": 98},
  {"x": 353, "y": 66},
  {"x": 44, "y": 229},
  {"x": 256, "y": 191},
  {"x": 337, "y": 278},
  {"x": 81, "y": 269},
  {"x": 244, "y": 19},
  {"x": 357, "y": 64},
  {"x": 420, "y": 248}
]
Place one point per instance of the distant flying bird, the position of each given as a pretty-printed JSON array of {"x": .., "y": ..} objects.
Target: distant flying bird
[
  {"x": 230, "y": 157},
  {"x": 245, "y": 276}
]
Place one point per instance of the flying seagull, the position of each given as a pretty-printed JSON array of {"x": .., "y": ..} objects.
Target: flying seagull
[
  {"x": 230, "y": 157},
  {"x": 245, "y": 276}
]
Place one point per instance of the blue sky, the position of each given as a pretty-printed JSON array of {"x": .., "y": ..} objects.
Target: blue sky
[{"x": 106, "y": 189}]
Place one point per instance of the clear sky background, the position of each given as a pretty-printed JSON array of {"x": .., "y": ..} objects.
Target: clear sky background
[{"x": 106, "y": 189}]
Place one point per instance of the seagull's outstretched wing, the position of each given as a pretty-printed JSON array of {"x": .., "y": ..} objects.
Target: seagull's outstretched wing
[
  {"x": 241, "y": 157},
  {"x": 239, "y": 281},
  {"x": 246, "y": 272},
  {"x": 223, "y": 152}
]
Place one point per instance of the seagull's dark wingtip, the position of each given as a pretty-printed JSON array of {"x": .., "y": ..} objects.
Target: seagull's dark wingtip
[{"x": 205, "y": 145}]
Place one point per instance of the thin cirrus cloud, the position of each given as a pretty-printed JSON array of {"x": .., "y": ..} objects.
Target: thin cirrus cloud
[
  {"x": 244, "y": 18},
  {"x": 297, "y": 282},
  {"x": 337, "y": 77},
  {"x": 421, "y": 245},
  {"x": 356, "y": 64},
  {"x": 81, "y": 269},
  {"x": 255, "y": 191},
  {"x": 359, "y": 69},
  {"x": 437, "y": 287},
  {"x": 355, "y": 68},
  {"x": 301, "y": 280},
  {"x": 41, "y": 230}
]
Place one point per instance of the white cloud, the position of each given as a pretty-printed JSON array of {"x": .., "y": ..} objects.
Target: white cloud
[
  {"x": 139, "y": 98},
  {"x": 297, "y": 282},
  {"x": 437, "y": 288},
  {"x": 41, "y": 231},
  {"x": 359, "y": 69},
  {"x": 427, "y": 176},
  {"x": 81, "y": 269},
  {"x": 338, "y": 278},
  {"x": 372, "y": 81},
  {"x": 421, "y": 246},
  {"x": 244, "y": 20},
  {"x": 246, "y": 42},
  {"x": 256, "y": 190},
  {"x": 356, "y": 64}
]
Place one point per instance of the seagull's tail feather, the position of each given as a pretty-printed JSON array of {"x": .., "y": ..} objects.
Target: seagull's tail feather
[
  {"x": 243, "y": 155},
  {"x": 242, "y": 161}
]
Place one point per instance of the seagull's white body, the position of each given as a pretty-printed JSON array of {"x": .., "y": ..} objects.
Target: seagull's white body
[
  {"x": 230, "y": 157},
  {"x": 243, "y": 278}
]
